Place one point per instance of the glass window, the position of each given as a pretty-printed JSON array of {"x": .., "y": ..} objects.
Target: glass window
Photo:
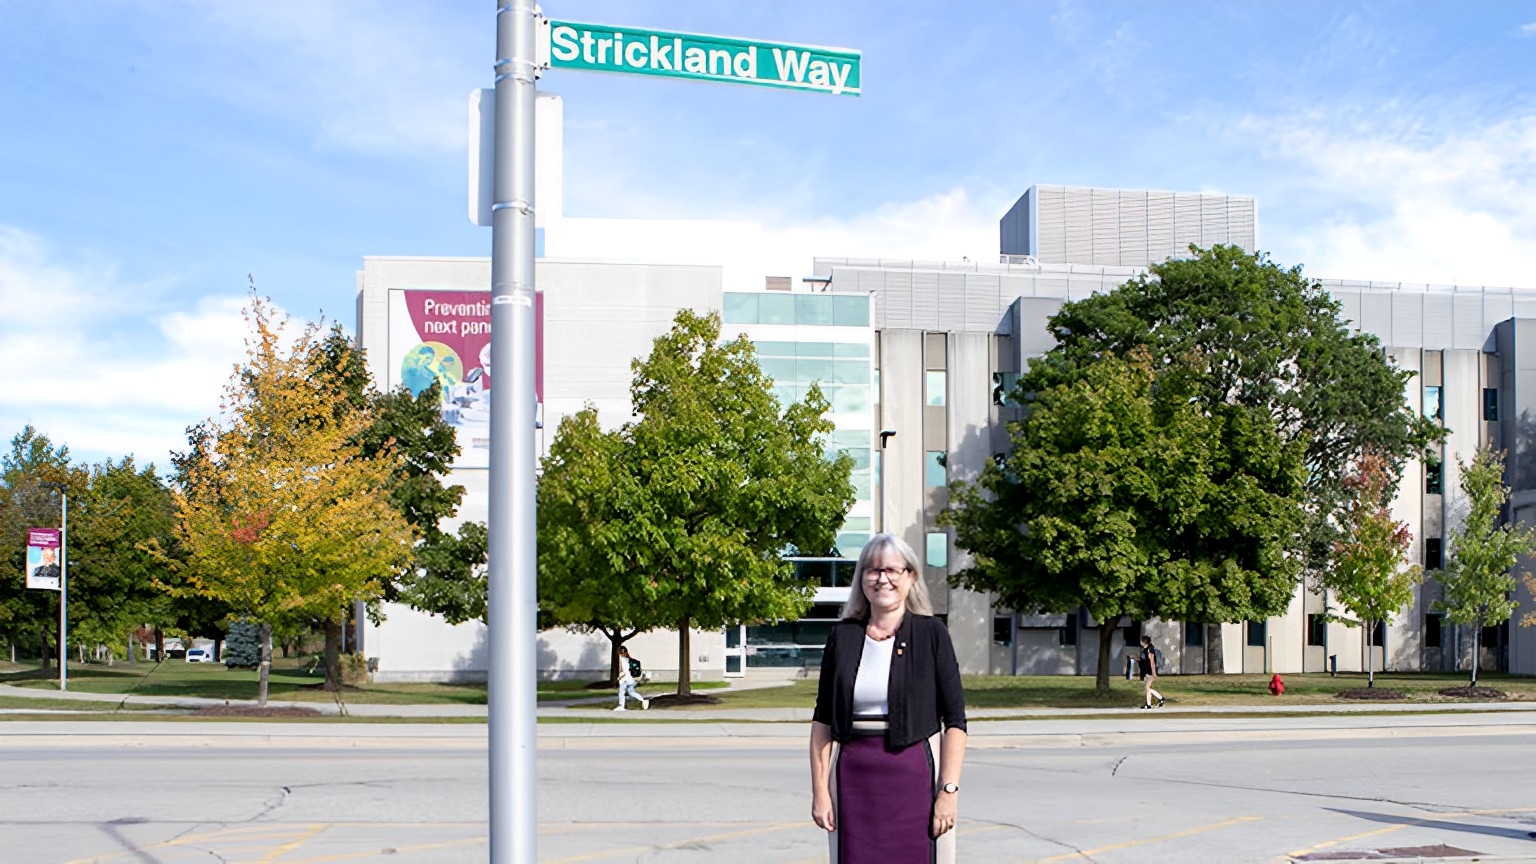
[
  {"x": 1002, "y": 631},
  {"x": 1068, "y": 634},
  {"x": 1432, "y": 553},
  {"x": 1490, "y": 403},
  {"x": 739, "y": 308},
  {"x": 813, "y": 349},
  {"x": 848, "y": 439},
  {"x": 849, "y": 398},
  {"x": 850, "y": 371},
  {"x": 938, "y": 549},
  {"x": 850, "y": 349},
  {"x": 861, "y": 485},
  {"x": 1432, "y": 405},
  {"x": 1002, "y": 387},
  {"x": 1257, "y": 630},
  {"x": 807, "y": 370},
  {"x": 815, "y": 309},
  {"x": 1434, "y": 478},
  {"x": 1379, "y": 634},
  {"x": 787, "y": 394},
  {"x": 850, "y": 542},
  {"x": 780, "y": 369},
  {"x": 774, "y": 349},
  {"x": 935, "y": 473},
  {"x": 1317, "y": 629},
  {"x": 935, "y": 387},
  {"x": 1132, "y": 633},
  {"x": 1432, "y": 624},
  {"x": 1194, "y": 635},
  {"x": 875, "y": 382},
  {"x": 775, "y": 308},
  {"x": 850, "y": 310}
]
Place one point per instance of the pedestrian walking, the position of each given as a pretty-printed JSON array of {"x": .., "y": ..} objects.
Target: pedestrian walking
[
  {"x": 1148, "y": 665},
  {"x": 888, "y": 734},
  {"x": 629, "y": 672}
]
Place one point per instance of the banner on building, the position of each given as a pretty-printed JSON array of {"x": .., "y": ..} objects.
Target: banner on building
[
  {"x": 43, "y": 550},
  {"x": 445, "y": 336}
]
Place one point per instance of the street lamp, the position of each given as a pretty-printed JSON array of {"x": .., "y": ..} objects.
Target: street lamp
[
  {"x": 63, "y": 580},
  {"x": 885, "y": 435}
]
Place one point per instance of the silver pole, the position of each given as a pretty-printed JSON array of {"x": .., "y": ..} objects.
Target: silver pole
[
  {"x": 63, "y": 589},
  {"x": 511, "y": 610}
]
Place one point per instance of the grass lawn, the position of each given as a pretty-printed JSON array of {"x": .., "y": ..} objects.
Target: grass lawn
[{"x": 1066, "y": 691}]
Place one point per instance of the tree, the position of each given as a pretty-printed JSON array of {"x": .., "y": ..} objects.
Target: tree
[
  {"x": 280, "y": 514},
  {"x": 1126, "y": 496},
  {"x": 685, "y": 514},
  {"x": 29, "y": 615},
  {"x": 1478, "y": 577},
  {"x": 1368, "y": 577},
  {"x": 1270, "y": 339}
]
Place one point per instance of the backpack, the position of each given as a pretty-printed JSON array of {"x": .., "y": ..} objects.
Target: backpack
[
  {"x": 634, "y": 668},
  {"x": 1157, "y": 657}
]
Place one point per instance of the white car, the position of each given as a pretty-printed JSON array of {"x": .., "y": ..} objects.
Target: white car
[{"x": 200, "y": 655}]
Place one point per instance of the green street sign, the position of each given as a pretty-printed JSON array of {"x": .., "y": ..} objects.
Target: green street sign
[{"x": 604, "y": 48}]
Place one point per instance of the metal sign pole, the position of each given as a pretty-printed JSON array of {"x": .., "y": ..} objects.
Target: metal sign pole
[
  {"x": 511, "y": 605},
  {"x": 63, "y": 589}
]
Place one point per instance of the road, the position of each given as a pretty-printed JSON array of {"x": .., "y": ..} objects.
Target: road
[{"x": 1265, "y": 790}]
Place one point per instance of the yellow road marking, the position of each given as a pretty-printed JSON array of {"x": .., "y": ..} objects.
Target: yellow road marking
[
  {"x": 1088, "y": 853},
  {"x": 295, "y": 842},
  {"x": 729, "y": 835},
  {"x": 395, "y": 850}
]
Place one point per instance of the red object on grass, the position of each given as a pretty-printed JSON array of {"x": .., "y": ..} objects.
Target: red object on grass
[{"x": 1276, "y": 686}]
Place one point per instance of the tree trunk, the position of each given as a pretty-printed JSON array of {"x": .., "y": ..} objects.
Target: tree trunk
[
  {"x": 265, "y": 666},
  {"x": 133, "y": 646},
  {"x": 332, "y": 654},
  {"x": 1215, "y": 655},
  {"x": 1106, "y": 638},
  {"x": 42, "y": 650},
  {"x": 218, "y": 649},
  {"x": 1477, "y": 654},
  {"x": 159, "y": 645},
  {"x": 684, "y": 649}
]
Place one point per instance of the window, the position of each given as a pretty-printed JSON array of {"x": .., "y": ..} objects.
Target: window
[
  {"x": 1132, "y": 633},
  {"x": 1490, "y": 403},
  {"x": 1378, "y": 634},
  {"x": 1002, "y": 387},
  {"x": 1433, "y": 621},
  {"x": 850, "y": 310},
  {"x": 1068, "y": 634},
  {"x": 1432, "y": 554},
  {"x": 1194, "y": 635},
  {"x": 775, "y": 308},
  {"x": 1434, "y": 478},
  {"x": 739, "y": 308},
  {"x": 1257, "y": 630},
  {"x": 936, "y": 383},
  {"x": 938, "y": 549},
  {"x": 813, "y": 309},
  {"x": 934, "y": 473},
  {"x": 1434, "y": 409},
  {"x": 1317, "y": 629},
  {"x": 1002, "y": 631}
]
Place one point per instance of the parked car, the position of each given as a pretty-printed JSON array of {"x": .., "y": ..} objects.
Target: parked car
[{"x": 199, "y": 655}]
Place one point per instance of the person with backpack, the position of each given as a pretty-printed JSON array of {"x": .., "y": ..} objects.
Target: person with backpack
[
  {"x": 629, "y": 672},
  {"x": 1150, "y": 663}
]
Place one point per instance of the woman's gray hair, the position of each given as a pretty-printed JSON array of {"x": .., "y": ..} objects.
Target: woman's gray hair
[{"x": 917, "y": 596}]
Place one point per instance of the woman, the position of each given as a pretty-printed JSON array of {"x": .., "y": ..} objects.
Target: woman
[
  {"x": 888, "y": 735},
  {"x": 627, "y": 683},
  {"x": 1146, "y": 664}
]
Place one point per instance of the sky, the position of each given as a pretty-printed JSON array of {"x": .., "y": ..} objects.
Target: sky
[{"x": 160, "y": 158}]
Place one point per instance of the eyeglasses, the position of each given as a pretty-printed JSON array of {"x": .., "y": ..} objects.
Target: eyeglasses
[{"x": 889, "y": 574}]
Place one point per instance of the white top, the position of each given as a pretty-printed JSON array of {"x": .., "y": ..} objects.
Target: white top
[{"x": 869, "y": 688}]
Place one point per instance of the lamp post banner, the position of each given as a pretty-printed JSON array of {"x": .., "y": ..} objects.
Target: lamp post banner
[
  {"x": 43, "y": 558},
  {"x": 606, "y": 48}
]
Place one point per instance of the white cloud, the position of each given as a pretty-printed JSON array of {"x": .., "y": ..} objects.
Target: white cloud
[
  {"x": 1410, "y": 202},
  {"x": 1529, "y": 29},
  {"x": 95, "y": 371}
]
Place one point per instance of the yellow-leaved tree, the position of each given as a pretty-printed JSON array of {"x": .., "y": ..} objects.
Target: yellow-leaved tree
[{"x": 278, "y": 513}]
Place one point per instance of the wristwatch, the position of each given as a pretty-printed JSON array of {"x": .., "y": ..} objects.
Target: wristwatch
[{"x": 951, "y": 788}]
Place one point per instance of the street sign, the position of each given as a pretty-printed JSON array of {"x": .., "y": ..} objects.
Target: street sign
[{"x": 606, "y": 48}]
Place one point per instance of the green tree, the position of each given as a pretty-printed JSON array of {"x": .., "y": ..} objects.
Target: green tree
[
  {"x": 29, "y": 616},
  {"x": 1368, "y": 577},
  {"x": 279, "y": 513},
  {"x": 1271, "y": 339},
  {"x": 691, "y": 507},
  {"x": 1126, "y": 496},
  {"x": 1478, "y": 577}
]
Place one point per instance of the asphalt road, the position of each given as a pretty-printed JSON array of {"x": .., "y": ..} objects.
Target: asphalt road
[{"x": 1269, "y": 790}]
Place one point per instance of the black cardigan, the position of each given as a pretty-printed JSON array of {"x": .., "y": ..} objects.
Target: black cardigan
[{"x": 924, "y": 684}]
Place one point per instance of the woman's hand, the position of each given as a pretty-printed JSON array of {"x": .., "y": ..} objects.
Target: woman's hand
[
  {"x": 945, "y": 812},
  {"x": 821, "y": 811}
]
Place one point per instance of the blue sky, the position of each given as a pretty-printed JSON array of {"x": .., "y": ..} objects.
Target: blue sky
[{"x": 157, "y": 154}]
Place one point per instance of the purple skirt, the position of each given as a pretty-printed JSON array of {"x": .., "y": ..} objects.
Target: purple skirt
[{"x": 884, "y": 802}]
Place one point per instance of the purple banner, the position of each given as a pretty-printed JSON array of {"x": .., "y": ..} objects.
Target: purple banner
[{"x": 44, "y": 563}]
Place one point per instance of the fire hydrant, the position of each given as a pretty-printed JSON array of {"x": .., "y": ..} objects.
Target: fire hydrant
[{"x": 1276, "y": 686}]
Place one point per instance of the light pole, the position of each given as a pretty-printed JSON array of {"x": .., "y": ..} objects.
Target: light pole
[
  {"x": 885, "y": 435},
  {"x": 63, "y": 580}
]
